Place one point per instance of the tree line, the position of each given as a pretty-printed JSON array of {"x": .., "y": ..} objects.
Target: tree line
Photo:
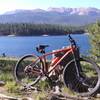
[
  {"x": 94, "y": 34},
  {"x": 27, "y": 29}
]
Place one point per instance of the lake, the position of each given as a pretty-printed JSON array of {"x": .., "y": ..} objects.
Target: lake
[{"x": 19, "y": 46}]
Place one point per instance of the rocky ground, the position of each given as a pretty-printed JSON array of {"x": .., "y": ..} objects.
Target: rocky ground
[
  {"x": 50, "y": 96},
  {"x": 57, "y": 95}
]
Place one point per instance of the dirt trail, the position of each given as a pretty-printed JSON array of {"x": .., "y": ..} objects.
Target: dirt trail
[{"x": 3, "y": 90}]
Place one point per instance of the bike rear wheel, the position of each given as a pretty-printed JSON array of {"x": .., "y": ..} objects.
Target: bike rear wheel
[
  {"x": 88, "y": 82},
  {"x": 23, "y": 71}
]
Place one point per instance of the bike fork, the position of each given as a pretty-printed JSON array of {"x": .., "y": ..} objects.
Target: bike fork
[
  {"x": 78, "y": 67},
  {"x": 76, "y": 64}
]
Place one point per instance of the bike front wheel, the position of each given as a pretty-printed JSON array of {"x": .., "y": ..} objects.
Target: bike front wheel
[
  {"x": 27, "y": 70},
  {"x": 88, "y": 81}
]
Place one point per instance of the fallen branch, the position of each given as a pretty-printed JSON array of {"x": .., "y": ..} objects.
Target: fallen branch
[{"x": 3, "y": 97}]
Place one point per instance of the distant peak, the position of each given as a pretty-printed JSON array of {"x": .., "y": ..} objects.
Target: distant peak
[
  {"x": 62, "y": 9},
  {"x": 77, "y": 11}
]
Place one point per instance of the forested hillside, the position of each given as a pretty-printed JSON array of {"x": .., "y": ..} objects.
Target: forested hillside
[{"x": 26, "y": 29}]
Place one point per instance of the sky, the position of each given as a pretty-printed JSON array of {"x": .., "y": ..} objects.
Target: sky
[{"x": 11, "y": 5}]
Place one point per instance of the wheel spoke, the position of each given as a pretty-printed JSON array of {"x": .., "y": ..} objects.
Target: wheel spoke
[{"x": 27, "y": 70}]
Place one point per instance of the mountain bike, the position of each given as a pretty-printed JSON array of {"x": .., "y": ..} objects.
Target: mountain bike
[{"x": 80, "y": 74}]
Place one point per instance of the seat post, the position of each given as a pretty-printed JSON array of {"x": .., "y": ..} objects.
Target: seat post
[
  {"x": 45, "y": 65},
  {"x": 41, "y": 48}
]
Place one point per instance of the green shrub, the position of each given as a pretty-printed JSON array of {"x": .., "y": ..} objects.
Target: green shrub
[
  {"x": 12, "y": 87},
  {"x": 44, "y": 85},
  {"x": 41, "y": 96},
  {"x": 7, "y": 64},
  {"x": 6, "y": 76}
]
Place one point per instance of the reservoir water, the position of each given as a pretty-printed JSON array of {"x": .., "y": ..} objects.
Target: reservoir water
[{"x": 19, "y": 46}]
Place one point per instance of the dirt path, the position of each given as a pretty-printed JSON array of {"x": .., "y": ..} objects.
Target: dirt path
[
  {"x": 4, "y": 96},
  {"x": 3, "y": 90}
]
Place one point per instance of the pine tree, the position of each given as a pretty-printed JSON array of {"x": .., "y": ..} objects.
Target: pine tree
[{"x": 94, "y": 34}]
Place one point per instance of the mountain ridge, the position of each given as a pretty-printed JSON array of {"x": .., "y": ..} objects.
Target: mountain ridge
[
  {"x": 68, "y": 16},
  {"x": 59, "y": 10}
]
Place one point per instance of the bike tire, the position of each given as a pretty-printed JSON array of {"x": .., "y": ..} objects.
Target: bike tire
[
  {"x": 86, "y": 85},
  {"x": 20, "y": 75}
]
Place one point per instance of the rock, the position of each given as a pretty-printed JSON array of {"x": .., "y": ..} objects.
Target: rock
[
  {"x": 2, "y": 83},
  {"x": 57, "y": 90},
  {"x": 98, "y": 95}
]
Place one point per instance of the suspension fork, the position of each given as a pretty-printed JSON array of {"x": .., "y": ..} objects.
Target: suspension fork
[{"x": 77, "y": 63}]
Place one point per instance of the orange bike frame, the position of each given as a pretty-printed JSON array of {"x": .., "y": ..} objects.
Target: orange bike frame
[{"x": 67, "y": 51}]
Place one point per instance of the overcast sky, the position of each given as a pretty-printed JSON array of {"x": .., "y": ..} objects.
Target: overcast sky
[{"x": 9, "y": 5}]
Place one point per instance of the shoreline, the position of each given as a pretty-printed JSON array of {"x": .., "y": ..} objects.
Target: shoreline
[{"x": 44, "y": 35}]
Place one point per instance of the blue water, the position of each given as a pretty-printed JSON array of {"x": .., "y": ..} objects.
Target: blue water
[{"x": 19, "y": 46}]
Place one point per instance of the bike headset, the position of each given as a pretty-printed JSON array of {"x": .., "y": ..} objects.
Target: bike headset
[{"x": 72, "y": 41}]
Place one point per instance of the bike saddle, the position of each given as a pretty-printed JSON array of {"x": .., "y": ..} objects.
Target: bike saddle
[{"x": 41, "y": 48}]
